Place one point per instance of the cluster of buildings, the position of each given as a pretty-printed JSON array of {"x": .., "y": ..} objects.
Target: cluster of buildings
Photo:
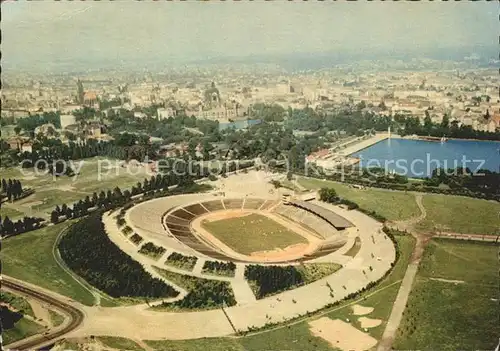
[{"x": 469, "y": 97}]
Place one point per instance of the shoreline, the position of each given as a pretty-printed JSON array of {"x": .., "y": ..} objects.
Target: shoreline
[
  {"x": 365, "y": 144},
  {"x": 436, "y": 139}
]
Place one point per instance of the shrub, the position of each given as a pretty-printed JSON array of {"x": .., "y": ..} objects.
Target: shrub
[
  {"x": 219, "y": 268},
  {"x": 150, "y": 249}
]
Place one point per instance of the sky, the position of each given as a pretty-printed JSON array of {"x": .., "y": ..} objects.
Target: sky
[{"x": 41, "y": 32}]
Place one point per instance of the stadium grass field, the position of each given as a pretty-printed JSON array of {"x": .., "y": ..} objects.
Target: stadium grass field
[
  {"x": 460, "y": 214},
  {"x": 252, "y": 233},
  {"x": 393, "y": 205},
  {"x": 460, "y": 313},
  {"x": 29, "y": 257}
]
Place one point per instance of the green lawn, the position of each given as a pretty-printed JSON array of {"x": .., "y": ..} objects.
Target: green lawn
[
  {"x": 460, "y": 215},
  {"x": 451, "y": 316},
  {"x": 297, "y": 337},
  {"x": 17, "y": 302},
  {"x": 29, "y": 257},
  {"x": 22, "y": 329},
  {"x": 252, "y": 233},
  {"x": 56, "y": 318},
  {"x": 10, "y": 212},
  {"x": 393, "y": 205},
  {"x": 119, "y": 343},
  {"x": 92, "y": 177},
  {"x": 316, "y": 271},
  {"x": 51, "y": 198}
]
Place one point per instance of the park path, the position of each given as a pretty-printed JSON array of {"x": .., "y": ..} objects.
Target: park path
[
  {"x": 399, "y": 304},
  {"x": 408, "y": 225}
]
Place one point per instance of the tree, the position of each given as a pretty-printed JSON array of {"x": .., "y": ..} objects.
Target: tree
[
  {"x": 54, "y": 217},
  {"x": 445, "y": 123},
  {"x": 427, "y": 122},
  {"x": 328, "y": 195},
  {"x": 7, "y": 226}
]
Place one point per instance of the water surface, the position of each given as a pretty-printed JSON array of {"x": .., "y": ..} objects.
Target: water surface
[{"x": 418, "y": 158}]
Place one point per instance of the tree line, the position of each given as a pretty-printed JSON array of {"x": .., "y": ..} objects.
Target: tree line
[
  {"x": 12, "y": 188},
  {"x": 88, "y": 251},
  {"x": 10, "y": 228}
]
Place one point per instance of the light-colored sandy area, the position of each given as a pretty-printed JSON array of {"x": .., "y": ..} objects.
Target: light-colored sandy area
[
  {"x": 40, "y": 312},
  {"x": 33, "y": 203},
  {"x": 341, "y": 335},
  {"x": 369, "y": 322},
  {"x": 359, "y": 310},
  {"x": 29, "y": 177}
]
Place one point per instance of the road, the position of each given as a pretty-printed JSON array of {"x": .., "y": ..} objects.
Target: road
[{"x": 75, "y": 315}]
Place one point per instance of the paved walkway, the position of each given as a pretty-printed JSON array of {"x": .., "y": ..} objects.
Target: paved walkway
[
  {"x": 398, "y": 309},
  {"x": 242, "y": 292}
]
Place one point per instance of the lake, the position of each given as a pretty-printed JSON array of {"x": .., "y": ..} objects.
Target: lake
[{"x": 418, "y": 158}]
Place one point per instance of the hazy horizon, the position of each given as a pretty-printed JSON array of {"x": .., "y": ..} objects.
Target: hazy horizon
[{"x": 37, "y": 34}]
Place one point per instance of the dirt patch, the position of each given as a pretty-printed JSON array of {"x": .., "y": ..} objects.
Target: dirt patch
[
  {"x": 40, "y": 311},
  {"x": 33, "y": 203},
  {"x": 359, "y": 310},
  {"x": 341, "y": 335},
  {"x": 369, "y": 323},
  {"x": 65, "y": 188},
  {"x": 31, "y": 177}
]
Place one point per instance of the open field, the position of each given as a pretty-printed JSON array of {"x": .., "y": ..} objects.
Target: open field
[
  {"x": 452, "y": 304},
  {"x": 297, "y": 337},
  {"x": 29, "y": 257},
  {"x": 260, "y": 233},
  {"x": 47, "y": 200},
  {"x": 55, "y": 318},
  {"x": 95, "y": 174},
  {"x": 393, "y": 205},
  {"x": 460, "y": 215},
  {"x": 10, "y": 212},
  {"x": 119, "y": 343}
]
